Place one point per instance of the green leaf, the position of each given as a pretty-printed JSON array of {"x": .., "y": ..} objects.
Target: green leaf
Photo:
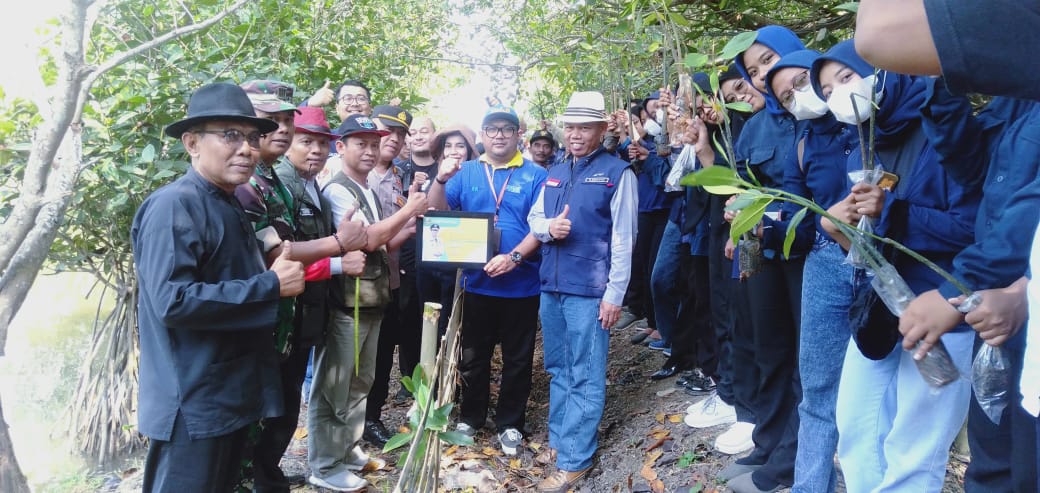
[
  {"x": 848, "y": 7},
  {"x": 408, "y": 384},
  {"x": 713, "y": 80},
  {"x": 695, "y": 60},
  {"x": 738, "y": 44},
  {"x": 715, "y": 175},
  {"x": 743, "y": 200},
  {"x": 749, "y": 217},
  {"x": 455, "y": 438},
  {"x": 740, "y": 106},
  {"x": 398, "y": 440},
  {"x": 723, "y": 190},
  {"x": 792, "y": 228},
  {"x": 148, "y": 154}
]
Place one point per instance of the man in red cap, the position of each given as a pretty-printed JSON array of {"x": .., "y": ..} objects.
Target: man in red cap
[
  {"x": 344, "y": 367},
  {"x": 270, "y": 207}
]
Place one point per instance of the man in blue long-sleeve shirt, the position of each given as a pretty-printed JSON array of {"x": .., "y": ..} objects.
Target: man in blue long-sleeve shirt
[{"x": 207, "y": 304}]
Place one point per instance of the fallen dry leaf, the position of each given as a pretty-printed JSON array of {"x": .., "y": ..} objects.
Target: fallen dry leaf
[
  {"x": 659, "y": 433},
  {"x": 657, "y": 443},
  {"x": 514, "y": 463},
  {"x": 665, "y": 392},
  {"x": 648, "y": 473},
  {"x": 675, "y": 418},
  {"x": 491, "y": 452},
  {"x": 472, "y": 456},
  {"x": 653, "y": 456},
  {"x": 535, "y": 446},
  {"x": 301, "y": 433},
  {"x": 659, "y": 417},
  {"x": 451, "y": 450},
  {"x": 657, "y": 486}
]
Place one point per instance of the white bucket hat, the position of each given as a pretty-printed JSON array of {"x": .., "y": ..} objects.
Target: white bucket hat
[{"x": 585, "y": 107}]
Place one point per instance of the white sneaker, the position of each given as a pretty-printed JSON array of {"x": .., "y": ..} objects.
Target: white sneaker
[
  {"x": 737, "y": 439},
  {"x": 710, "y": 412},
  {"x": 465, "y": 429},
  {"x": 345, "y": 481},
  {"x": 358, "y": 460},
  {"x": 510, "y": 439}
]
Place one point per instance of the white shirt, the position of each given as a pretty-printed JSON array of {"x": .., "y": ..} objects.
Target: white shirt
[{"x": 1030, "y": 382}]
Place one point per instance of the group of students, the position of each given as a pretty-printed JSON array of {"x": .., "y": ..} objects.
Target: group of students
[{"x": 795, "y": 382}]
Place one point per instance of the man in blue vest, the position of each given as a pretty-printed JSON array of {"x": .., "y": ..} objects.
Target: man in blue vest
[{"x": 586, "y": 219}]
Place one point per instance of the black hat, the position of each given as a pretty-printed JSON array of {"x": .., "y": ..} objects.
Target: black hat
[
  {"x": 219, "y": 101},
  {"x": 359, "y": 124},
  {"x": 543, "y": 134},
  {"x": 394, "y": 116},
  {"x": 730, "y": 73}
]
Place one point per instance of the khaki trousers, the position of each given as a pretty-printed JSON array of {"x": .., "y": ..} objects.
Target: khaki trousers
[{"x": 336, "y": 409}]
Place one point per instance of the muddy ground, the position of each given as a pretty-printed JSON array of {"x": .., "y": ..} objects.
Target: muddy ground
[{"x": 644, "y": 445}]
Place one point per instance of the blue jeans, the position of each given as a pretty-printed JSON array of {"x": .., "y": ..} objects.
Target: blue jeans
[
  {"x": 895, "y": 430},
  {"x": 827, "y": 291},
  {"x": 575, "y": 346},
  {"x": 664, "y": 279}
]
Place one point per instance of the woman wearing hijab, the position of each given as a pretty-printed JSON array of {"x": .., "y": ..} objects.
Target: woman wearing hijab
[
  {"x": 894, "y": 429},
  {"x": 764, "y": 146},
  {"x": 817, "y": 171}
]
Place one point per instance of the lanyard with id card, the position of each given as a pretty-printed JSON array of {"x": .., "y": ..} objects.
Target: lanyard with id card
[{"x": 497, "y": 239}]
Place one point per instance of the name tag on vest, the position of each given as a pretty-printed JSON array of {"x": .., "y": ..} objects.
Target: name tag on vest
[
  {"x": 306, "y": 211},
  {"x": 598, "y": 179}
]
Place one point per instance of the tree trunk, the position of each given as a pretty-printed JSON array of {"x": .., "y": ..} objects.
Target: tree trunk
[{"x": 11, "y": 478}]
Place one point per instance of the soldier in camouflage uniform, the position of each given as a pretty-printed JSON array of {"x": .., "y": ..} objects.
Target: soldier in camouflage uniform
[{"x": 275, "y": 213}]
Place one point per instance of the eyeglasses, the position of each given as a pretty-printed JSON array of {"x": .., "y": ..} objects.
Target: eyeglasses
[
  {"x": 506, "y": 132},
  {"x": 801, "y": 81},
  {"x": 234, "y": 138},
  {"x": 352, "y": 99}
]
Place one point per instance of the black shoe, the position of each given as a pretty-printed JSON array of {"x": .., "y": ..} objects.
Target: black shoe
[
  {"x": 666, "y": 372},
  {"x": 697, "y": 384},
  {"x": 375, "y": 433}
]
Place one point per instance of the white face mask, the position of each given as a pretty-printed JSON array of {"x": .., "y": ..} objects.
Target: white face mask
[
  {"x": 840, "y": 101},
  {"x": 652, "y": 127},
  {"x": 807, "y": 105}
]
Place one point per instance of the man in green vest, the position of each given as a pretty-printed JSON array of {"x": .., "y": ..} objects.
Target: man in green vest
[{"x": 345, "y": 366}]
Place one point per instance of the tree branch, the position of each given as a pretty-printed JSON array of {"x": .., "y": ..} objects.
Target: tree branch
[{"x": 119, "y": 58}]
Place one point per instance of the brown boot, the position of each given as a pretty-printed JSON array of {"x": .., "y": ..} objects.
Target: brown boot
[
  {"x": 561, "y": 481},
  {"x": 547, "y": 456}
]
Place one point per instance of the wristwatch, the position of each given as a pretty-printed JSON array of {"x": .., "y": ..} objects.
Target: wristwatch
[{"x": 516, "y": 258}]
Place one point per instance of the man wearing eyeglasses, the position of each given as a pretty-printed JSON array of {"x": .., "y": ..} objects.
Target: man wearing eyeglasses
[
  {"x": 352, "y": 98},
  {"x": 207, "y": 303},
  {"x": 273, "y": 210},
  {"x": 501, "y": 303}
]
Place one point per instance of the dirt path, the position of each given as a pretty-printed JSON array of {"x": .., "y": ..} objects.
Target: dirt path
[{"x": 644, "y": 446}]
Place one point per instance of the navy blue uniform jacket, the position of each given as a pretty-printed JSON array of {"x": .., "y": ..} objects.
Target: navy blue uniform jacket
[{"x": 206, "y": 313}]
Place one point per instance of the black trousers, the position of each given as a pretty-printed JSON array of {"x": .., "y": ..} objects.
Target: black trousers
[
  {"x": 208, "y": 465},
  {"x": 395, "y": 332},
  {"x": 638, "y": 297},
  {"x": 276, "y": 433},
  {"x": 694, "y": 343},
  {"x": 743, "y": 372},
  {"x": 490, "y": 320},
  {"x": 1003, "y": 456},
  {"x": 776, "y": 299}
]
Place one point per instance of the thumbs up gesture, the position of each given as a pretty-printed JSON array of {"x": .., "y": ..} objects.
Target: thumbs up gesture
[
  {"x": 560, "y": 226},
  {"x": 289, "y": 272},
  {"x": 352, "y": 233},
  {"x": 322, "y": 96}
]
